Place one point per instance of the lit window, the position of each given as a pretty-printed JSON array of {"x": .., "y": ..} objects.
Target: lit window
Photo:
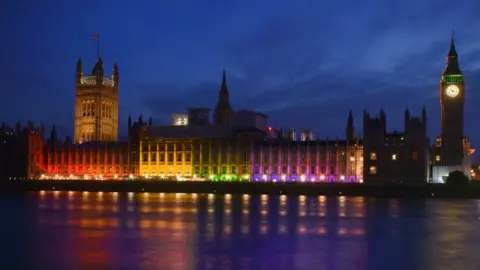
[
  {"x": 437, "y": 157},
  {"x": 373, "y": 170},
  {"x": 415, "y": 156},
  {"x": 373, "y": 156},
  {"x": 352, "y": 158},
  {"x": 394, "y": 156}
]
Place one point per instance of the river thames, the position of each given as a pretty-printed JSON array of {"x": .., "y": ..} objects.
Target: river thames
[{"x": 95, "y": 230}]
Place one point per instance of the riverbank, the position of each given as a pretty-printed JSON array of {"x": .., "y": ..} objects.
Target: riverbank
[{"x": 327, "y": 189}]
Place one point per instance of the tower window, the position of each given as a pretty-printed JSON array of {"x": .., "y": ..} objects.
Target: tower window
[
  {"x": 394, "y": 156},
  {"x": 372, "y": 170},
  {"x": 373, "y": 156}
]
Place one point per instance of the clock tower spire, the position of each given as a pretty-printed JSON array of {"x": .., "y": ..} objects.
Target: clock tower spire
[{"x": 452, "y": 98}]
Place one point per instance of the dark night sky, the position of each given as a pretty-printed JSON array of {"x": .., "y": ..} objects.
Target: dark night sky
[{"x": 302, "y": 62}]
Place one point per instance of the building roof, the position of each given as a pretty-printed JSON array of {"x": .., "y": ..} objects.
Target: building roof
[
  {"x": 333, "y": 142},
  {"x": 207, "y": 131}
]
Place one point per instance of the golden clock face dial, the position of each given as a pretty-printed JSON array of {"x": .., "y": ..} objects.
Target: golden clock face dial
[{"x": 452, "y": 91}]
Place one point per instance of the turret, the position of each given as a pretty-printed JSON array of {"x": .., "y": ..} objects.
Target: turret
[
  {"x": 424, "y": 119},
  {"x": 115, "y": 76},
  {"x": 350, "y": 129},
  {"x": 98, "y": 71},
  {"x": 130, "y": 120},
  {"x": 53, "y": 137},
  {"x": 79, "y": 73}
]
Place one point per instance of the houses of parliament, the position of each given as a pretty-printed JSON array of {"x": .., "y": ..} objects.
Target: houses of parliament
[{"x": 235, "y": 145}]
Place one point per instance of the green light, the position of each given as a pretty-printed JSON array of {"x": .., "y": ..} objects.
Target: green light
[{"x": 453, "y": 78}]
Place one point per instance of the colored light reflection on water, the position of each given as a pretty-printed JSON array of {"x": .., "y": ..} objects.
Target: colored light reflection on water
[{"x": 102, "y": 230}]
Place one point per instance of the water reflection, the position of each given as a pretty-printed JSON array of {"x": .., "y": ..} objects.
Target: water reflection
[{"x": 206, "y": 231}]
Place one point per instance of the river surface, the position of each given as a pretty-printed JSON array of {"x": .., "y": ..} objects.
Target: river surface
[{"x": 95, "y": 230}]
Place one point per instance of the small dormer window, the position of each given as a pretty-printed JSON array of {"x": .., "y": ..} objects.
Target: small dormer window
[{"x": 373, "y": 156}]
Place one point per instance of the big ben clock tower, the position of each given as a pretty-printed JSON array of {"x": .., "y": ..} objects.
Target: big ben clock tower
[{"x": 452, "y": 97}]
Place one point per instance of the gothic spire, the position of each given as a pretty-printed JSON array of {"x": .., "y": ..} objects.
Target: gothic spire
[
  {"x": 453, "y": 66},
  {"x": 350, "y": 118},
  {"x": 79, "y": 65},
  {"x": 115, "y": 75},
  {"x": 98, "y": 68},
  {"x": 452, "y": 52},
  {"x": 53, "y": 133},
  {"x": 79, "y": 74},
  {"x": 223, "y": 112},
  {"x": 350, "y": 130},
  {"x": 224, "y": 87},
  {"x": 407, "y": 113}
]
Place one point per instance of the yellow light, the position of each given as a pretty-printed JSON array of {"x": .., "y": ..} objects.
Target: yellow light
[{"x": 302, "y": 178}]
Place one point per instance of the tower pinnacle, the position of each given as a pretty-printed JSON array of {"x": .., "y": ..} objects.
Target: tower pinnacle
[
  {"x": 350, "y": 130},
  {"x": 453, "y": 66},
  {"x": 452, "y": 52},
  {"x": 223, "y": 111}
]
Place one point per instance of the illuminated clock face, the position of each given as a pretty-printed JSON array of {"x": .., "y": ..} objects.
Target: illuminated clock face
[{"x": 452, "y": 91}]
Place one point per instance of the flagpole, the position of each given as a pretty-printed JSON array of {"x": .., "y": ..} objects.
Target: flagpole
[{"x": 98, "y": 46}]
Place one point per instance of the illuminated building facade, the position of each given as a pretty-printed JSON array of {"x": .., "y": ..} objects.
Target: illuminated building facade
[
  {"x": 89, "y": 160},
  {"x": 395, "y": 157},
  {"x": 284, "y": 159},
  {"x": 21, "y": 151},
  {"x": 196, "y": 152},
  {"x": 96, "y": 104},
  {"x": 308, "y": 161}
]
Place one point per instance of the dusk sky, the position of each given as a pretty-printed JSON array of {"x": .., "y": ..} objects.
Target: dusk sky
[{"x": 303, "y": 62}]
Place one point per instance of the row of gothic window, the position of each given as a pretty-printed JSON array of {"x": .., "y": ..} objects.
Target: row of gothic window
[
  {"x": 179, "y": 157},
  {"x": 303, "y": 170},
  {"x": 90, "y": 136},
  {"x": 88, "y": 109}
]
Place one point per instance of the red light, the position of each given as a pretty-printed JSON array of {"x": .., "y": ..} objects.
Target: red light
[{"x": 269, "y": 128}]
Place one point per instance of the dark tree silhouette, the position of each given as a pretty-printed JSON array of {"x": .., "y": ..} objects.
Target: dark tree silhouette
[{"x": 457, "y": 179}]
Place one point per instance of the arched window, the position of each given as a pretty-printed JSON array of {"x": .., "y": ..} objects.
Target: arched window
[{"x": 84, "y": 108}]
